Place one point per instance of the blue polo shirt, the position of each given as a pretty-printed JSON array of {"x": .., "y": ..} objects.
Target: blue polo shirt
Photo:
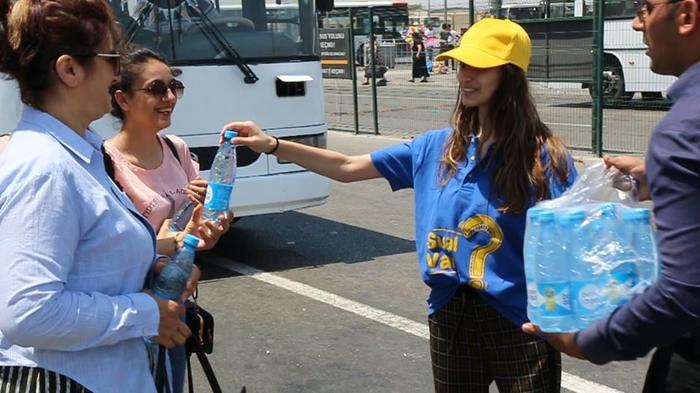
[{"x": 461, "y": 236}]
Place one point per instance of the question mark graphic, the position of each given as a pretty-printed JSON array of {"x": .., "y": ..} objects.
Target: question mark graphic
[{"x": 477, "y": 260}]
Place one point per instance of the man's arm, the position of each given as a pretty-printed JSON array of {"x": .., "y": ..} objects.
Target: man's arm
[{"x": 669, "y": 308}]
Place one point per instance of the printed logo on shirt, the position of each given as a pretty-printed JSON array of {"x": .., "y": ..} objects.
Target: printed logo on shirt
[
  {"x": 155, "y": 202},
  {"x": 443, "y": 245}
]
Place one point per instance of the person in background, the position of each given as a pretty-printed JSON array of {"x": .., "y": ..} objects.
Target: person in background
[
  {"x": 380, "y": 66},
  {"x": 431, "y": 39},
  {"x": 446, "y": 43},
  {"x": 472, "y": 185},
  {"x": 667, "y": 314},
  {"x": 157, "y": 172},
  {"x": 74, "y": 253},
  {"x": 420, "y": 68}
]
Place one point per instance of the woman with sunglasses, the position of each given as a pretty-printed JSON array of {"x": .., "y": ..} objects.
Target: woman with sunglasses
[
  {"x": 156, "y": 172},
  {"x": 74, "y": 253}
]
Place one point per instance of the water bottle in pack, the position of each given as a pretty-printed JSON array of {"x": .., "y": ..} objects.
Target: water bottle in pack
[
  {"x": 222, "y": 175},
  {"x": 172, "y": 279},
  {"x": 640, "y": 237},
  {"x": 552, "y": 277},
  {"x": 587, "y": 282},
  {"x": 532, "y": 230}
]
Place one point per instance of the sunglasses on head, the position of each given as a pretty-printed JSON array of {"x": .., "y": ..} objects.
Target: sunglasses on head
[{"x": 158, "y": 88}]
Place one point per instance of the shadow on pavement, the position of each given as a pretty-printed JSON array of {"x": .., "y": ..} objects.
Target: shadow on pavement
[
  {"x": 649, "y": 105},
  {"x": 292, "y": 240}
]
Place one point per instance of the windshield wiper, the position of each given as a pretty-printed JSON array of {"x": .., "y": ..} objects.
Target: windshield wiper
[{"x": 210, "y": 30}]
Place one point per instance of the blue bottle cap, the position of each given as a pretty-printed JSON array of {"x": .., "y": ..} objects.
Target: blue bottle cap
[
  {"x": 229, "y": 134},
  {"x": 607, "y": 209},
  {"x": 533, "y": 212},
  {"x": 641, "y": 214},
  {"x": 545, "y": 216},
  {"x": 572, "y": 218},
  {"x": 191, "y": 241}
]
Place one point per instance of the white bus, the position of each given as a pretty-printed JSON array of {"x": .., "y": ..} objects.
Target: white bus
[
  {"x": 562, "y": 35},
  {"x": 256, "y": 65}
]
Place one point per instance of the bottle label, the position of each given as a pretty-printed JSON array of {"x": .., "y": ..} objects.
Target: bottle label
[
  {"x": 532, "y": 294},
  {"x": 588, "y": 297},
  {"x": 554, "y": 299},
  {"x": 623, "y": 278},
  {"x": 217, "y": 197}
]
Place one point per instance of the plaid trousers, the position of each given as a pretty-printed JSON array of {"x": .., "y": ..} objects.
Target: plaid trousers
[
  {"x": 17, "y": 379},
  {"x": 472, "y": 345}
]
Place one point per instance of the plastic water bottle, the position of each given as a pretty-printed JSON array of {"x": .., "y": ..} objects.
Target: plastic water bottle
[
  {"x": 172, "y": 279},
  {"x": 587, "y": 297},
  {"x": 532, "y": 232},
  {"x": 182, "y": 217},
  {"x": 641, "y": 239},
  {"x": 552, "y": 271},
  {"x": 221, "y": 178}
]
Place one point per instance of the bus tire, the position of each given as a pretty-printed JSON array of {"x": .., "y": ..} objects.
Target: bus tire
[{"x": 613, "y": 83}]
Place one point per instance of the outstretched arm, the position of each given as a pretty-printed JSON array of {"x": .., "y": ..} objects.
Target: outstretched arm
[{"x": 329, "y": 163}]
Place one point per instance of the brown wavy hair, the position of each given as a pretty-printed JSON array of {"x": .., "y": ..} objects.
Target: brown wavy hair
[
  {"x": 519, "y": 136},
  {"x": 34, "y": 33}
]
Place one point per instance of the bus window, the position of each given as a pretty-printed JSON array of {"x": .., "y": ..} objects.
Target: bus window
[{"x": 256, "y": 29}]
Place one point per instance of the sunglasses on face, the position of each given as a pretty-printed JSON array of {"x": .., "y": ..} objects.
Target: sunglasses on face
[{"x": 159, "y": 89}]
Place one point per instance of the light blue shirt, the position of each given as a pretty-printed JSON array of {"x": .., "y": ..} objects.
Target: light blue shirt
[{"x": 74, "y": 255}]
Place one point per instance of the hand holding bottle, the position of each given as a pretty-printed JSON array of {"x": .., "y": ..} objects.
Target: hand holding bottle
[
  {"x": 172, "y": 331},
  {"x": 208, "y": 232},
  {"x": 196, "y": 190},
  {"x": 249, "y": 134}
]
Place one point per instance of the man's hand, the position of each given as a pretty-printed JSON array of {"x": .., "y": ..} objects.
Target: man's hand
[
  {"x": 632, "y": 166},
  {"x": 562, "y": 342}
]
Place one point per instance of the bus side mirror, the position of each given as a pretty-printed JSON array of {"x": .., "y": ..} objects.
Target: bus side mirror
[{"x": 324, "y": 5}]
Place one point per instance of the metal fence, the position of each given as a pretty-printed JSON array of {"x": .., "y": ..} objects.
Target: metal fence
[{"x": 568, "y": 65}]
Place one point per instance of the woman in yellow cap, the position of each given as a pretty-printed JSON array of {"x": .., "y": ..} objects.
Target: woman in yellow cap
[{"x": 472, "y": 185}]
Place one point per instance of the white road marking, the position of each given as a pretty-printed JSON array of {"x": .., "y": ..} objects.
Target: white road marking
[{"x": 568, "y": 381}]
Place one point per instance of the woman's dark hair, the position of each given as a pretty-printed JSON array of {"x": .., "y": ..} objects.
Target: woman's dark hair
[
  {"x": 131, "y": 67},
  {"x": 34, "y": 33},
  {"x": 520, "y": 137}
]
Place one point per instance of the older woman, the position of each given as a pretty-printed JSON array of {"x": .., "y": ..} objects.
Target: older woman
[{"x": 74, "y": 252}]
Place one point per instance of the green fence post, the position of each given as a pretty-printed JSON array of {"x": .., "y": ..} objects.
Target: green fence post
[
  {"x": 353, "y": 73},
  {"x": 374, "y": 79},
  {"x": 597, "y": 116},
  {"x": 471, "y": 12}
]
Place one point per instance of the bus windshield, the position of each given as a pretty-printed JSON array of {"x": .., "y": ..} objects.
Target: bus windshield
[{"x": 202, "y": 31}]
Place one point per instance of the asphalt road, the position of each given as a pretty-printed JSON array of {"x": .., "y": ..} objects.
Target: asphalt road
[
  {"x": 329, "y": 299},
  {"x": 406, "y": 108}
]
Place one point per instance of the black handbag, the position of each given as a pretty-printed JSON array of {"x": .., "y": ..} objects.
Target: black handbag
[{"x": 201, "y": 323}]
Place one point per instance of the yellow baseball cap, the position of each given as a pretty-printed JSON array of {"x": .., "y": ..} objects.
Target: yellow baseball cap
[{"x": 491, "y": 43}]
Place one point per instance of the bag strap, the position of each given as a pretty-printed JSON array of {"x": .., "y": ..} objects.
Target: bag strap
[
  {"x": 162, "y": 383},
  {"x": 109, "y": 166},
  {"x": 206, "y": 367},
  {"x": 171, "y": 145}
]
